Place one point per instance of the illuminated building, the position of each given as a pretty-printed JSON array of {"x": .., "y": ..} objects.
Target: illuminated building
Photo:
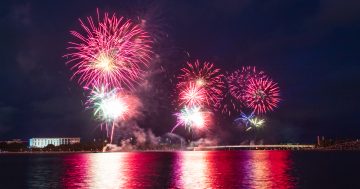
[{"x": 43, "y": 142}]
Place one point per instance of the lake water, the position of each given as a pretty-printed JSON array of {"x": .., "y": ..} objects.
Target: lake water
[{"x": 190, "y": 169}]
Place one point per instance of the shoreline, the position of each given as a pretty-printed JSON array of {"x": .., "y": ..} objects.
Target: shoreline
[{"x": 144, "y": 151}]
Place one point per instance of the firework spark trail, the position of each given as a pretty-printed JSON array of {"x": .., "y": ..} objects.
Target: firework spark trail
[
  {"x": 206, "y": 76},
  {"x": 111, "y": 51},
  {"x": 262, "y": 95},
  {"x": 112, "y": 132}
]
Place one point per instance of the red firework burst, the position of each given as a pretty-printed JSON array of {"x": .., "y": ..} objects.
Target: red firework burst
[
  {"x": 205, "y": 77},
  {"x": 239, "y": 80},
  {"x": 111, "y": 51},
  {"x": 262, "y": 95},
  {"x": 192, "y": 95}
]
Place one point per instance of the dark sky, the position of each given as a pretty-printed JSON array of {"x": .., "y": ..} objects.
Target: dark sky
[{"x": 311, "y": 48}]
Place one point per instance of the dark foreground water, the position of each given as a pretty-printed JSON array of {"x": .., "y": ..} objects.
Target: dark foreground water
[{"x": 198, "y": 169}]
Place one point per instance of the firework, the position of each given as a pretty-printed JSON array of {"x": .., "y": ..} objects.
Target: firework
[
  {"x": 107, "y": 106},
  {"x": 204, "y": 76},
  {"x": 110, "y": 51},
  {"x": 192, "y": 117},
  {"x": 229, "y": 104},
  {"x": 244, "y": 119},
  {"x": 249, "y": 121},
  {"x": 238, "y": 81},
  {"x": 192, "y": 95},
  {"x": 112, "y": 106},
  {"x": 262, "y": 95},
  {"x": 257, "y": 122}
]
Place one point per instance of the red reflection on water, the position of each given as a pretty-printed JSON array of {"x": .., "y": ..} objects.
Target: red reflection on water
[
  {"x": 224, "y": 168},
  {"x": 108, "y": 170},
  {"x": 268, "y": 169},
  {"x": 116, "y": 170},
  {"x": 75, "y": 171},
  {"x": 147, "y": 170},
  {"x": 233, "y": 169},
  {"x": 191, "y": 170},
  {"x": 101, "y": 170}
]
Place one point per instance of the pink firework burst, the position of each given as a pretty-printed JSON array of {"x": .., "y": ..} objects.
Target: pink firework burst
[
  {"x": 262, "y": 95},
  {"x": 238, "y": 81},
  {"x": 192, "y": 95},
  {"x": 204, "y": 76},
  {"x": 110, "y": 51}
]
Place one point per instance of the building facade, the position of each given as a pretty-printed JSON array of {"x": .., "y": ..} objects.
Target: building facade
[{"x": 43, "y": 142}]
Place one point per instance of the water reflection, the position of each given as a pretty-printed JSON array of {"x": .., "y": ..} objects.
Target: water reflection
[
  {"x": 75, "y": 171},
  {"x": 117, "y": 170},
  {"x": 222, "y": 169},
  {"x": 233, "y": 169},
  {"x": 108, "y": 170},
  {"x": 42, "y": 176},
  {"x": 268, "y": 169},
  {"x": 193, "y": 169},
  {"x": 102, "y": 170}
]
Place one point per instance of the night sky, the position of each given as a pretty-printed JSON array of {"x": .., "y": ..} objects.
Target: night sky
[{"x": 311, "y": 48}]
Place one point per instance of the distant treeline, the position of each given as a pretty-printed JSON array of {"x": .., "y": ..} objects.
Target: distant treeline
[
  {"x": 13, "y": 147},
  {"x": 83, "y": 146},
  {"x": 344, "y": 144},
  {"x": 23, "y": 147}
]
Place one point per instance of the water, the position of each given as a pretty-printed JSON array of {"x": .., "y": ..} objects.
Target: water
[{"x": 193, "y": 169}]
